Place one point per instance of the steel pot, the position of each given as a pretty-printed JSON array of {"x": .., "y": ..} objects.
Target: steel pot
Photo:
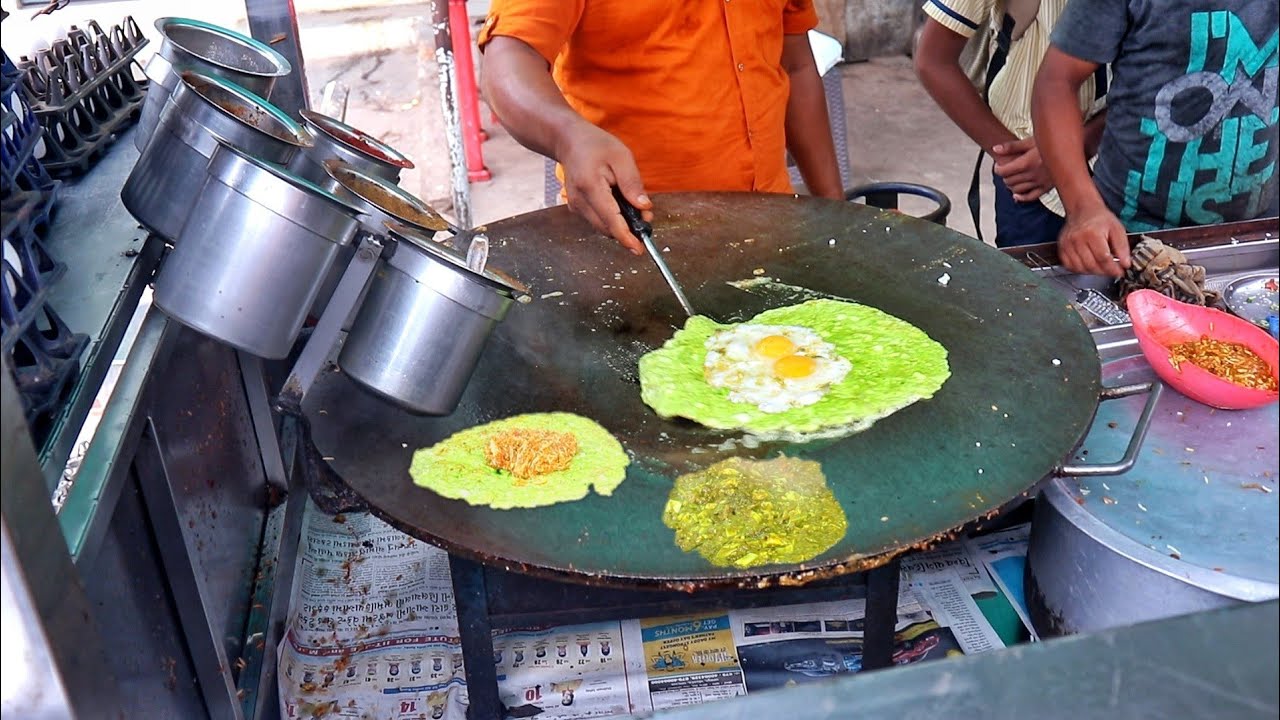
[
  {"x": 335, "y": 140},
  {"x": 423, "y": 324},
  {"x": 250, "y": 260},
  {"x": 192, "y": 44},
  {"x": 204, "y": 112},
  {"x": 383, "y": 203}
]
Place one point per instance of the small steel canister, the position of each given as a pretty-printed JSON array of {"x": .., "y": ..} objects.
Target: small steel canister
[
  {"x": 382, "y": 202},
  {"x": 336, "y": 140},
  {"x": 423, "y": 324},
  {"x": 188, "y": 44},
  {"x": 250, "y": 260},
  {"x": 203, "y": 112}
]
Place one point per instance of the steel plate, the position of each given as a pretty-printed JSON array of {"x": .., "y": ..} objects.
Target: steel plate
[
  {"x": 1024, "y": 384},
  {"x": 1253, "y": 297}
]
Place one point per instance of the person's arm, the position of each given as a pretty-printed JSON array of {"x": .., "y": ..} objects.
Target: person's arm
[
  {"x": 937, "y": 63},
  {"x": 517, "y": 83},
  {"x": 807, "y": 126},
  {"x": 1093, "y": 239},
  {"x": 1023, "y": 170},
  {"x": 1093, "y": 128}
]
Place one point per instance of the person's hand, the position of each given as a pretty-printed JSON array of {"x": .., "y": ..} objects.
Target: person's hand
[
  {"x": 1018, "y": 164},
  {"x": 1094, "y": 242},
  {"x": 594, "y": 162}
]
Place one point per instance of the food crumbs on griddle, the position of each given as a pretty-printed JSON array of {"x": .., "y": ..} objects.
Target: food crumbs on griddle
[
  {"x": 527, "y": 453},
  {"x": 1233, "y": 362}
]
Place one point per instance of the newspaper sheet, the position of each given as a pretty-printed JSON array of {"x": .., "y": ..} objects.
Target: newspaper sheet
[
  {"x": 690, "y": 660},
  {"x": 372, "y": 631},
  {"x": 952, "y": 607},
  {"x": 954, "y": 555},
  {"x": 577, "y": 671},
  {"x": 372, "y": 634},
  {"x": 1004, "y": 554},
  {"x": 945, "y": 579},
  {"x": 797, "y": 644}
]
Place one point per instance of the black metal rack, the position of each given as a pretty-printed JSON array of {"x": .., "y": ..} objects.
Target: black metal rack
[{"x": 84, "y": 91}]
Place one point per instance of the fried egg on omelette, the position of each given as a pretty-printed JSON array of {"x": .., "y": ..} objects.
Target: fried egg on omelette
[{"x": 773, "y": 367}]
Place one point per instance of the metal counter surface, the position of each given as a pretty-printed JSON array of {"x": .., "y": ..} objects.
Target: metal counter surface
[
  {"x": 1204, "y": 490},
  {"x": 1196, "y": 523},
  {"x": 109, "y": 261}
]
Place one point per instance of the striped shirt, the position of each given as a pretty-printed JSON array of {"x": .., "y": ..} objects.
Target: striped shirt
[{"x": 1011, "y": 89}]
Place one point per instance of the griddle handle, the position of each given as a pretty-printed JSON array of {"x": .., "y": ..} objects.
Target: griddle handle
[
  {"x": 1135, "y": 441},
  {"x": 631, "y": 214}
]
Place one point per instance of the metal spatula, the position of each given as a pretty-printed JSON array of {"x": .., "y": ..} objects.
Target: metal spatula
[{"x": 644, "y": 231}]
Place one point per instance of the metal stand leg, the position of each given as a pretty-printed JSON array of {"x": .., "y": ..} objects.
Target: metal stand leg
[
  {"x": 471, "y": 598},
  {"x": 187, "y": 585},
  {"x": 254, "y": 378},
  {"x": 324, "y": 338},
  {"x": 881, "y": 616}
]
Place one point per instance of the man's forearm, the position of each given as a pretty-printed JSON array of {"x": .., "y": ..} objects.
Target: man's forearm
[
  {"x": 517, "y": 84},
  {"x": 1060, "y": 132},
  {"x": 808, "y": 128},
  {"x": 937, "y": 64}
]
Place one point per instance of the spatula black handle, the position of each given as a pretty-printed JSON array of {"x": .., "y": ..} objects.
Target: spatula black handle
[{"x": 638, "y": 226}]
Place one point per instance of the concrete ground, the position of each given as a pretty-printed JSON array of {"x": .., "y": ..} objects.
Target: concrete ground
[{"x": 895, "y": 131}]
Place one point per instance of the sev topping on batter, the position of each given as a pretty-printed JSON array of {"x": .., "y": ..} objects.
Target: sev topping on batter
[
  {"x": 527, "y": 453},
  {"x": 1230, "y": 361}
]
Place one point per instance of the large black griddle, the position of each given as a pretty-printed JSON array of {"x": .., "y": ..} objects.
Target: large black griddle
[{"x": 1024, "y": 386}]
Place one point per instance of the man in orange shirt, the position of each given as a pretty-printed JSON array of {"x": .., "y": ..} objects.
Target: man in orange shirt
[{"x": 661, "y": 96}]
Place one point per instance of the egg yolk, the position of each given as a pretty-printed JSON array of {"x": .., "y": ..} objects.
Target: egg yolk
[
  {"x": 774, "y": 347},
  {"x": 794, "y": 366}
]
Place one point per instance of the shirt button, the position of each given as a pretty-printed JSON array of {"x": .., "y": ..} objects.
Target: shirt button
[{"x": 741, "y": 67}]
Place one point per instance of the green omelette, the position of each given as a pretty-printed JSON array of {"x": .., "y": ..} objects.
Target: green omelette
[
  {"x": 747, "y": 513},
  {"x": 523, "y": 461},
  {"x": 878, "y": 364}
]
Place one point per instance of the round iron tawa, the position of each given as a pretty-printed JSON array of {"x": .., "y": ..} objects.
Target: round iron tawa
[{"x": 1024, "y": 386}]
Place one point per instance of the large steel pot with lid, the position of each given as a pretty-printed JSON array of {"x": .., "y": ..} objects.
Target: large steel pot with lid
[
  {"x": 423, "y": 324},
  {"x": 335, "y": 140},
  {"x": 250, "y": 260},
  {"x": 203, "y": 112},
  {"x": 213, "y": 50}
]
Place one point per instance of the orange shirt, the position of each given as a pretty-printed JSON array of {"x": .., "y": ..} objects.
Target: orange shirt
[{"x": 694, "y": 88}]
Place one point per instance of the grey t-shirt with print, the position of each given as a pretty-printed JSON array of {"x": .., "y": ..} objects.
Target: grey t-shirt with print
[{"x": 1191, "y": 133}]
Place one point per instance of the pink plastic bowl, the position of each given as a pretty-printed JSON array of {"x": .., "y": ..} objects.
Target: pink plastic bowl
[{"x": 1160, "y": 322}]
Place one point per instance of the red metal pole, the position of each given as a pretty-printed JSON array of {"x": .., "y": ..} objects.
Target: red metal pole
[{"x": 468, "y": 96}]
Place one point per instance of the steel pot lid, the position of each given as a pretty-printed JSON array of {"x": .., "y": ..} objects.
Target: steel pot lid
[
  {"x": 246, "y": 107},
  {"x": 491, "y": 278},
  {"x": 232, "y": 173},
  {"x": 356, "y": 140},
  {"x": 261, "y": 59},
  {"x": 385, "y": 195}
]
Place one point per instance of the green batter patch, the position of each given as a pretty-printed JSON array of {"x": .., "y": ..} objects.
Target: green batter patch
[
  {"x": 456, "y": 467},
  {"x": 894, "y": 365},
  {"x": 747, "y": 513}
]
